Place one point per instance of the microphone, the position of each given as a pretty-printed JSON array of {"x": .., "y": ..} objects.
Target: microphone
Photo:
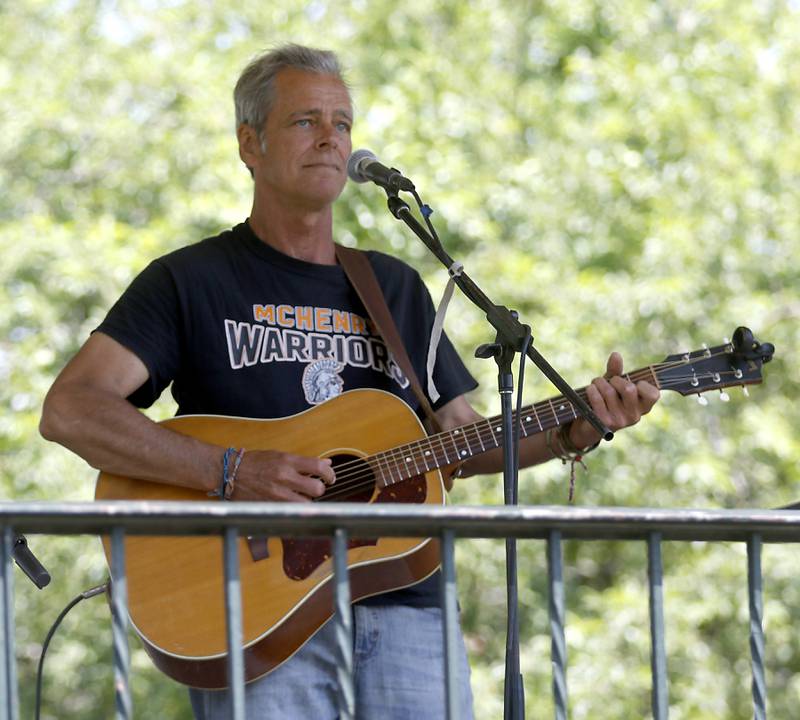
[
  {"x": 363, "y": 166},
  {"x": 28, "y": 563}
]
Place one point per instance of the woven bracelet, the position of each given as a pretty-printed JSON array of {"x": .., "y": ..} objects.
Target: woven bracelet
[
  {"x": 567, "y": 452},
  {"x": 231, "y": 479},
  {"x": 223, "y": 485}
]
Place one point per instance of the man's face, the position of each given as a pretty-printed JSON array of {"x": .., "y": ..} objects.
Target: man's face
[{"x": 307, "y": 141}]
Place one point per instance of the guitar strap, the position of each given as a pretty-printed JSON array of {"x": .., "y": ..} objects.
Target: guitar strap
[{"x": 362, "y": 277}]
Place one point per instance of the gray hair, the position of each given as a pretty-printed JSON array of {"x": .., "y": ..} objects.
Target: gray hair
[{"x": 254, "y": 94}]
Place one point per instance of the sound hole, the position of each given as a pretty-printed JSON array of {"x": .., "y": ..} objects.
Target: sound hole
[{"x": 355, "y": 481}]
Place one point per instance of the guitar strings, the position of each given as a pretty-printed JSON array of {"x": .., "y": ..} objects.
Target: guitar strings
[
  {"x": 360, "y": 480},
  {"x": 400, "y": 451},
  {"x": 408, "y": 451},
  {"x": 358, "y": 475},
  {"x": 363, "y": 477}
]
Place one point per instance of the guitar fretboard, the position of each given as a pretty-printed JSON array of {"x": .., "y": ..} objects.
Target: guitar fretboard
[{"x": 454, "y": 446}]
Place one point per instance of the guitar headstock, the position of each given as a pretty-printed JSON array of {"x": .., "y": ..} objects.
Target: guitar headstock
[{"x": 736, "y": 363}]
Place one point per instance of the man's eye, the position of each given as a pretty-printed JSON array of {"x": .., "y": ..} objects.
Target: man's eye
[
  {"x": 305, "y": 122},
  {"x": 343, "y": 126}
]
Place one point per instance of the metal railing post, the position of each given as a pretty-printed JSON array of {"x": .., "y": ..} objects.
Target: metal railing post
[
  {"x": 344, "y": 626},
  {"x": 558, "y": 643},
  {"x": 450, "y": 626},
  {"x": 658, "y": 657},
  {"x": 119, "y": 624},
  {"x": 9, "y": 697},
  {"x": 233, "y": 624},
  {"x": 756, "y": 628}
]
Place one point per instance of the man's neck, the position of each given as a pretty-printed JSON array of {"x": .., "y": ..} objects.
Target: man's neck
[{"x": 300, "y": 233}]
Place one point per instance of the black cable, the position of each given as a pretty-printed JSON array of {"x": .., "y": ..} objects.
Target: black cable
[
  {"x": 426, "y": 211},
  {"x": 520, "y": 381},
  {"x": 40, "y": 671}
]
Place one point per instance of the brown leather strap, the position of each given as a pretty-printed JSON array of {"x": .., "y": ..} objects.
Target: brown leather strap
[{"x": 361, "y": 275}]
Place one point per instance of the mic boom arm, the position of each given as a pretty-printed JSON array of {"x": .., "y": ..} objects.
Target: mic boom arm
[{"x": 500, "y": 317}]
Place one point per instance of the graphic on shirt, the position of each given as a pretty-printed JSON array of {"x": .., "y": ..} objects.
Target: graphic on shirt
[
  {"x": 321, "y": 381},
  {"x": 308, "y": 335}
]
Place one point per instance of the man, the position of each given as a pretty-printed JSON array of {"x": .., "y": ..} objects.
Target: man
[{"x": 260, "y": 321}]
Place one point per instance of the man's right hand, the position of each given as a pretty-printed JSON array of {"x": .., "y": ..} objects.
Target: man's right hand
[
  {"x": 86, "y": 410},
  {"x": 280, "y": 476}
]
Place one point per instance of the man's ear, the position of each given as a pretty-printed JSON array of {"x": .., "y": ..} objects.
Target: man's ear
[{"x": 249, "y": 145}]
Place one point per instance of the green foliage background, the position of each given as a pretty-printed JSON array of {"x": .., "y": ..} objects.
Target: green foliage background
[{"x": 625, "y": 173}]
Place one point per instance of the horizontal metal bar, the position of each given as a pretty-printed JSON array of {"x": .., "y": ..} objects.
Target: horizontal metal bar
[{"x": 382, "y": 520}]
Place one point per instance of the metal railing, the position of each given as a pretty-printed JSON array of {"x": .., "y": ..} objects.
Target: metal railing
[{"x": 234, "y": 520}]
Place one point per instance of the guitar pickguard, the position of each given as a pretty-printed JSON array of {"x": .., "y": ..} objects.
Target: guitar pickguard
[{"x": 302, "y": 556}]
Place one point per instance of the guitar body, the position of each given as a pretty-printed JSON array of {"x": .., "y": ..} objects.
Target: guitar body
[{"x": 176, "y": 584}]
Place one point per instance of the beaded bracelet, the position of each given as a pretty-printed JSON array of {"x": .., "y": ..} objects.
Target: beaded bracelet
[{"x": 567, "y": 452}]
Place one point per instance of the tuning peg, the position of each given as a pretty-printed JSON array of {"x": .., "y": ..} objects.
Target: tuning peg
[
  {"x": 702, "y": 399},
  {"x": 724, "y": 396},
  {"x": 745, "y": 391}
]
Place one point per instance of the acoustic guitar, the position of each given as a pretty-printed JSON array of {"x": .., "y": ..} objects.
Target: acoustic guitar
[{"x": 381, "y": 454}]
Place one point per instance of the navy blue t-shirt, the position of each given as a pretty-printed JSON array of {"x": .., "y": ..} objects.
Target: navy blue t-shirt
[{"x": 238, "y": 328}]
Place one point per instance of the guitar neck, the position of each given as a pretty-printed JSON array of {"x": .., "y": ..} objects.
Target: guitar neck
[{"x": 460, "y": 444}]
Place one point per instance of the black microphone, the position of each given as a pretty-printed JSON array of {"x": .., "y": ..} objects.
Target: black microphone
[
  {"x": 363, "y": 166},
  {"x": 28, "y": 563}
]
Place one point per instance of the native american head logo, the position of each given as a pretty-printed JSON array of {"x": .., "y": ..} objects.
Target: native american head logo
[{"x": 321, "y": 381}]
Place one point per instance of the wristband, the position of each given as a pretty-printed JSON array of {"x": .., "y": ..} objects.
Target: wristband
[
  {"x": 565, "y": 450},
  {"x": 229, "y": 469},
  {"x": 231, "y": 479}
]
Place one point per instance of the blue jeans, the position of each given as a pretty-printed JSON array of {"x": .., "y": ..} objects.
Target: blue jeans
[{"x": 398, "y": 666}]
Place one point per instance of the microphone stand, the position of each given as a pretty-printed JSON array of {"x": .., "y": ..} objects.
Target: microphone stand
[{"x": 511, "y": 337}]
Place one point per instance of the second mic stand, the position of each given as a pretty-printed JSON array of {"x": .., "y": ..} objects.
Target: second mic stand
[{"x": 511, "y": 337}]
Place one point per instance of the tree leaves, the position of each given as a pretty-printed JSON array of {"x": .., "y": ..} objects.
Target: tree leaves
[{"x": 624, "y": 174}]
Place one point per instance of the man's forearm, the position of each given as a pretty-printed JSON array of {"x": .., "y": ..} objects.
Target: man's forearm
[{"x": 112, "y": 435}]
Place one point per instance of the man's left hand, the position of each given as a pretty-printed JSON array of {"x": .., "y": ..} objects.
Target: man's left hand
[{"x": 617, "y": 401}]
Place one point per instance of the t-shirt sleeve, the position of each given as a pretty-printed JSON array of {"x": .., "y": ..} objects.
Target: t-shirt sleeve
[{"x": 146, "y": 320}]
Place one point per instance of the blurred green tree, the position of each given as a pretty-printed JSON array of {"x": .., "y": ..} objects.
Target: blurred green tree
[{"x": 623, "y": 173}]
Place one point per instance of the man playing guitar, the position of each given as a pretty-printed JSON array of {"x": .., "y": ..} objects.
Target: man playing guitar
[{"x": 261, "y": 322}]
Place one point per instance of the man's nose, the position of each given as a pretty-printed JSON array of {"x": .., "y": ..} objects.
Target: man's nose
[{"x": 327, "y": 135}]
